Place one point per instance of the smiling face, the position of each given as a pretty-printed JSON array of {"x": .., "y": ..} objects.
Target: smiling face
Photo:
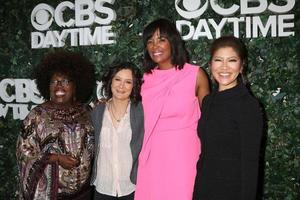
[
  {"x": 122, "y": 84},
  {"x": 62, "y": 90},
  {"x": 225, "y": 67},
  {"x": 159, "y": 49}
]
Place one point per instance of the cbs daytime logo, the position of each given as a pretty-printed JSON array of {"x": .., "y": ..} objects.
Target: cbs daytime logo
[
  {"x": 19, "y": 96},
  {"x": 76, "y": 19},
  {"x": 279, "y": 22}
]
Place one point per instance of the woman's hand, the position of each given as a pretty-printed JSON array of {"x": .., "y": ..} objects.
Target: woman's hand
[{"x": 66, "y": 161}]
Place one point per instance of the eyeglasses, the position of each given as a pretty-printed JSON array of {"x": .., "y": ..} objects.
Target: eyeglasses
[{"x": 64, "y": 82}]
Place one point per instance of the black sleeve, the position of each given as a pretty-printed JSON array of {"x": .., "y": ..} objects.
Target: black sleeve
[
  {"x": 250, "y": 127},
  {"x": 205, "y": 104}
]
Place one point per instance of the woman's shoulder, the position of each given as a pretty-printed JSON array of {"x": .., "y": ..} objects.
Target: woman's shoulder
[
  {"x": 35, "y": 114},
  {"x": 247, "y": 96},
  {"x": 195, "y": 70},
  {"x": 248, "y": 102},
  {"x": 138, "y": 106},
  {"x": 190, "y": 66},
  {"x": 38, "y": 109},
  {"x": 99, "y": 106},
  {"x": 209, "y": 96},
  {"x": 206, "y": 99}
]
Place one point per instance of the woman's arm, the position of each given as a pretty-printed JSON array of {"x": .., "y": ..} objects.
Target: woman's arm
[
  {"x": 202, "y": 86},
  {"x": 250, "y": 126},
  {"x": 31, "y": 160}
]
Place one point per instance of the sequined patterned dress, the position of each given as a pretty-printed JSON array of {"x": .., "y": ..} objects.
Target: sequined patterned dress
[{"x": 48, "y": 129}]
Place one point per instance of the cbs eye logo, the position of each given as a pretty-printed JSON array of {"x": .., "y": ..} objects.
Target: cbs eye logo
[
  {"x": 42, "y": 17},
  {"x": 192, "y": 8}
]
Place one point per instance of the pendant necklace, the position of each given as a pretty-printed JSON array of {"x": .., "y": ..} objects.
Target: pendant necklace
[{"x": 113, "y": 115}]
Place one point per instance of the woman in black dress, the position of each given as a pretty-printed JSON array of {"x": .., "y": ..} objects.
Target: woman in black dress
[{"x": 230, "y": 129}]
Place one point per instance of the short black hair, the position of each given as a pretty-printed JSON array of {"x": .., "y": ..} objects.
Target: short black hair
[
  {"x": 107, "y": 78},
  {"x": 71, "y": 64},
  {"x": 167, "y": 29}
]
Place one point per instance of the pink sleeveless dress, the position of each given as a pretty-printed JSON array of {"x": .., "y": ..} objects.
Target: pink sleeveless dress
[{"x": 171, "y": 148}]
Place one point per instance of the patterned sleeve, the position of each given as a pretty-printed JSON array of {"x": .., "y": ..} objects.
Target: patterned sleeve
[
  {"x": 90, "y": 139},
  {"x": 31, "y": 161}
]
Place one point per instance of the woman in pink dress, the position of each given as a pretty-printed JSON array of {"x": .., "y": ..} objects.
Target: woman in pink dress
[{"x": 171, "y": 94}]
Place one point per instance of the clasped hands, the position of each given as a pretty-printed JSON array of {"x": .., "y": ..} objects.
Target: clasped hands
[{"x": 66, "y": 161}]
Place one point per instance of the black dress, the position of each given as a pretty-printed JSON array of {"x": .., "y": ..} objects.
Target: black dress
[{"x": 230, "y": 130}]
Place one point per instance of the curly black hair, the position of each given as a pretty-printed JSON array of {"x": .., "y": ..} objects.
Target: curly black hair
[
  {"x": 107, "y": 78},
  {"x": 71, "y": 64}
]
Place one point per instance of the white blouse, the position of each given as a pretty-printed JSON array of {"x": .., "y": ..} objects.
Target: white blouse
[{"x": 114, "y": 162}]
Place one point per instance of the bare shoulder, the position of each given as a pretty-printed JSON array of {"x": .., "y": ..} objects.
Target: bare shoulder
[
  {"x": 98, "y": 102},
  {"x": 202, "y": 85},
  {"x": 202, "y": 78},
  {"x": 201, "y": 73}
]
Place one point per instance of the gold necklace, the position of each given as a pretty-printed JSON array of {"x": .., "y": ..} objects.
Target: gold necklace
[
  {"x": 113, "y": 115},
  {"x": 112, "y": 112}
]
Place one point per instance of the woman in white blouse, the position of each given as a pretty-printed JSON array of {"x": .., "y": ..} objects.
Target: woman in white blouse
[{"x": 119, "y": 131}]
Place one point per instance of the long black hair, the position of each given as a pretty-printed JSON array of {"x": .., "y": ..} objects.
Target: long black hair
[{"x": 168, "y": 30}]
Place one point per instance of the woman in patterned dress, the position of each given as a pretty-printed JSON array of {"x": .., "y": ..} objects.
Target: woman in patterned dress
[{"x": 55, "y": 146}]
